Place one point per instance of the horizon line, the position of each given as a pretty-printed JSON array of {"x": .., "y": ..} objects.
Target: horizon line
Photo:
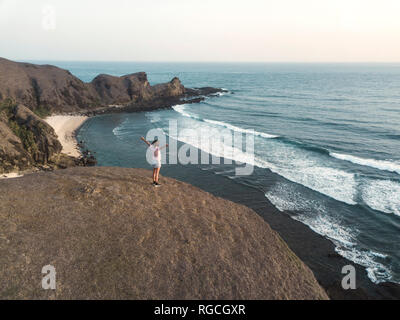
[{"x": 210, "y": 61}]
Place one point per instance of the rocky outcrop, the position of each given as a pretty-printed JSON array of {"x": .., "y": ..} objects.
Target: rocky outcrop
[
  {"x": 44, "y": 86},
  {"x": 26, "y": 141},
  {"x": 122, "y": 90},
  {"x": 13, "y": 156},
  {"x": 45, "y": 143},
  {"x": 56, "y": 90},
  {"x": 174, "y": 88},
  {"x": 111, "y": 235}
]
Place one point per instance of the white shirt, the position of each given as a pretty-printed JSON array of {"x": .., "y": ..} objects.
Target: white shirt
[{"x": 155, "y": 150}]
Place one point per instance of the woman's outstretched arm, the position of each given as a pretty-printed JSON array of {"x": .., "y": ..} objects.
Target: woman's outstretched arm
[
  {"x": 166, "y": 146},
  {"x": 145, "y": 141}
]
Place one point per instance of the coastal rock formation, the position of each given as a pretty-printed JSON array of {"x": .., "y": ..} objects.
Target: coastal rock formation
[
  {"x": 13, "y": 156},
  {"x": 55, "y": 90},
  {"x": 111, "y": 235},
  {"x": 45, "y": 143},
  {"x": 44, "y": 86},
  {"x": 122, "y": 90},
  {"x": 134, "y": 89},
  {"x": 25, "y": 140}
]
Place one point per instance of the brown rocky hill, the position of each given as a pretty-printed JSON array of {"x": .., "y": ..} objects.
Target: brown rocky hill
[
  {"x": 25, "y": 139},
  {"x": 134, "y": 88},
  {"x": 44, "y": 86},
  {"x": 111, "y": 235},
  {"x": 13, "y": 155},
  {"x": 58, "y": 91}
]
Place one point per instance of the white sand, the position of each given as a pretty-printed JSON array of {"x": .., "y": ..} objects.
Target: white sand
[
  {"x": 10, "y": 175},
  {"x": 65, "y": 127}
]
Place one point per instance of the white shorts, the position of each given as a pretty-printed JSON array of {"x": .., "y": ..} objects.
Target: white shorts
[{"x": 156, "y": 165}]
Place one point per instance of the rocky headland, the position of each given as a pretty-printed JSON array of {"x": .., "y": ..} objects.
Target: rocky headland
[{"x": 111, "y": 235}]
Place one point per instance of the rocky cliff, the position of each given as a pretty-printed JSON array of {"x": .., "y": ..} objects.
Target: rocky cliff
[
  {"x": 111, "y": 235},
  {"x": 44, "y": 86},
  {"x": 25, "y": 140},
  {"x": 13, "y": 155},
  {"x": 54, "y": 90}
]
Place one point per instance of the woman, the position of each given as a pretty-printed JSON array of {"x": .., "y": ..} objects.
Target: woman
[{"x": 156, "y": 157}]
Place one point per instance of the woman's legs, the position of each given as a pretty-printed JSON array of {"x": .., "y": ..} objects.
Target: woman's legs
[
  {"x": 154, "y": 174},
  {"x": 157, "y": 174}
]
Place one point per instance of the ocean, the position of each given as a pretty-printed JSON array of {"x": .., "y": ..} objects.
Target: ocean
[{"x": 327, "y": 142}]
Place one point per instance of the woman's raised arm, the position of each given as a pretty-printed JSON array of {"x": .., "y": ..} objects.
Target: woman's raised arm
[{"x": 145, "y": 141}]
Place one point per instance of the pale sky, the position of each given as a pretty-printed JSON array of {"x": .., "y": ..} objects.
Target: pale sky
[{"x": 201, "y": 30}]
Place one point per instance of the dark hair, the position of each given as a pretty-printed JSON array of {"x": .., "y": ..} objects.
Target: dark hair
[{"x": 155, "y": 140}]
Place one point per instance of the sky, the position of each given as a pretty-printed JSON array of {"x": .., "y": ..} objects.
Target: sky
[{"x": 201, "y": 30}]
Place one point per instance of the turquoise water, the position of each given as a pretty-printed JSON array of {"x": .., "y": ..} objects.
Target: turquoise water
[{"x": 327, "y": 141}]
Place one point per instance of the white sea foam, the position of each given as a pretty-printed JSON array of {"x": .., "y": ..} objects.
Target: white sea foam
[
  {"x": 181, "y": 109},
  {"x": 217, "y": 149},
  {"x": 120, "y": 130},
  {"x": 334, "y": 183},
  {"x": 237, "y": 129},
  {"x": 315, "y": 214},
  {"x": 153, "y": 117},
  {"x": 382, "y": 195},
  {"x": 286, "y": 197},
  {"x": 220, "y": 94},
  {"x": 291, "y": 163},
  {"x": 392, "y": 166},
  {"x": 304, "y": 168},
  {"x": 376, "y": 271}
]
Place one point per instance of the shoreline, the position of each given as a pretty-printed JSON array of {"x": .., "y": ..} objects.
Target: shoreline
[{"x": 66, "y": 128}]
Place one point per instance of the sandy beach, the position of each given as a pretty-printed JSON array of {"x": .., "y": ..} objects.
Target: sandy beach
[
  {"x": 65, "y": 127},
  {"x": 10, "y": 175}
]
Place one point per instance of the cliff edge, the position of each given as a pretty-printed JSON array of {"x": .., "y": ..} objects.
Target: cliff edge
[{"x": 111, "y": 235}]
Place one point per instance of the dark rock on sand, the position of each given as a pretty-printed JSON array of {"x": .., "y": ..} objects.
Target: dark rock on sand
[
  {"x": 111, "y": 235},
  {"x": 87, "y": 160}
]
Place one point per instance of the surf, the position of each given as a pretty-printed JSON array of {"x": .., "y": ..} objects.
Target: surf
[
  {"x": 384, "y": 165},
  {"x": 181, "y": 109}
]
